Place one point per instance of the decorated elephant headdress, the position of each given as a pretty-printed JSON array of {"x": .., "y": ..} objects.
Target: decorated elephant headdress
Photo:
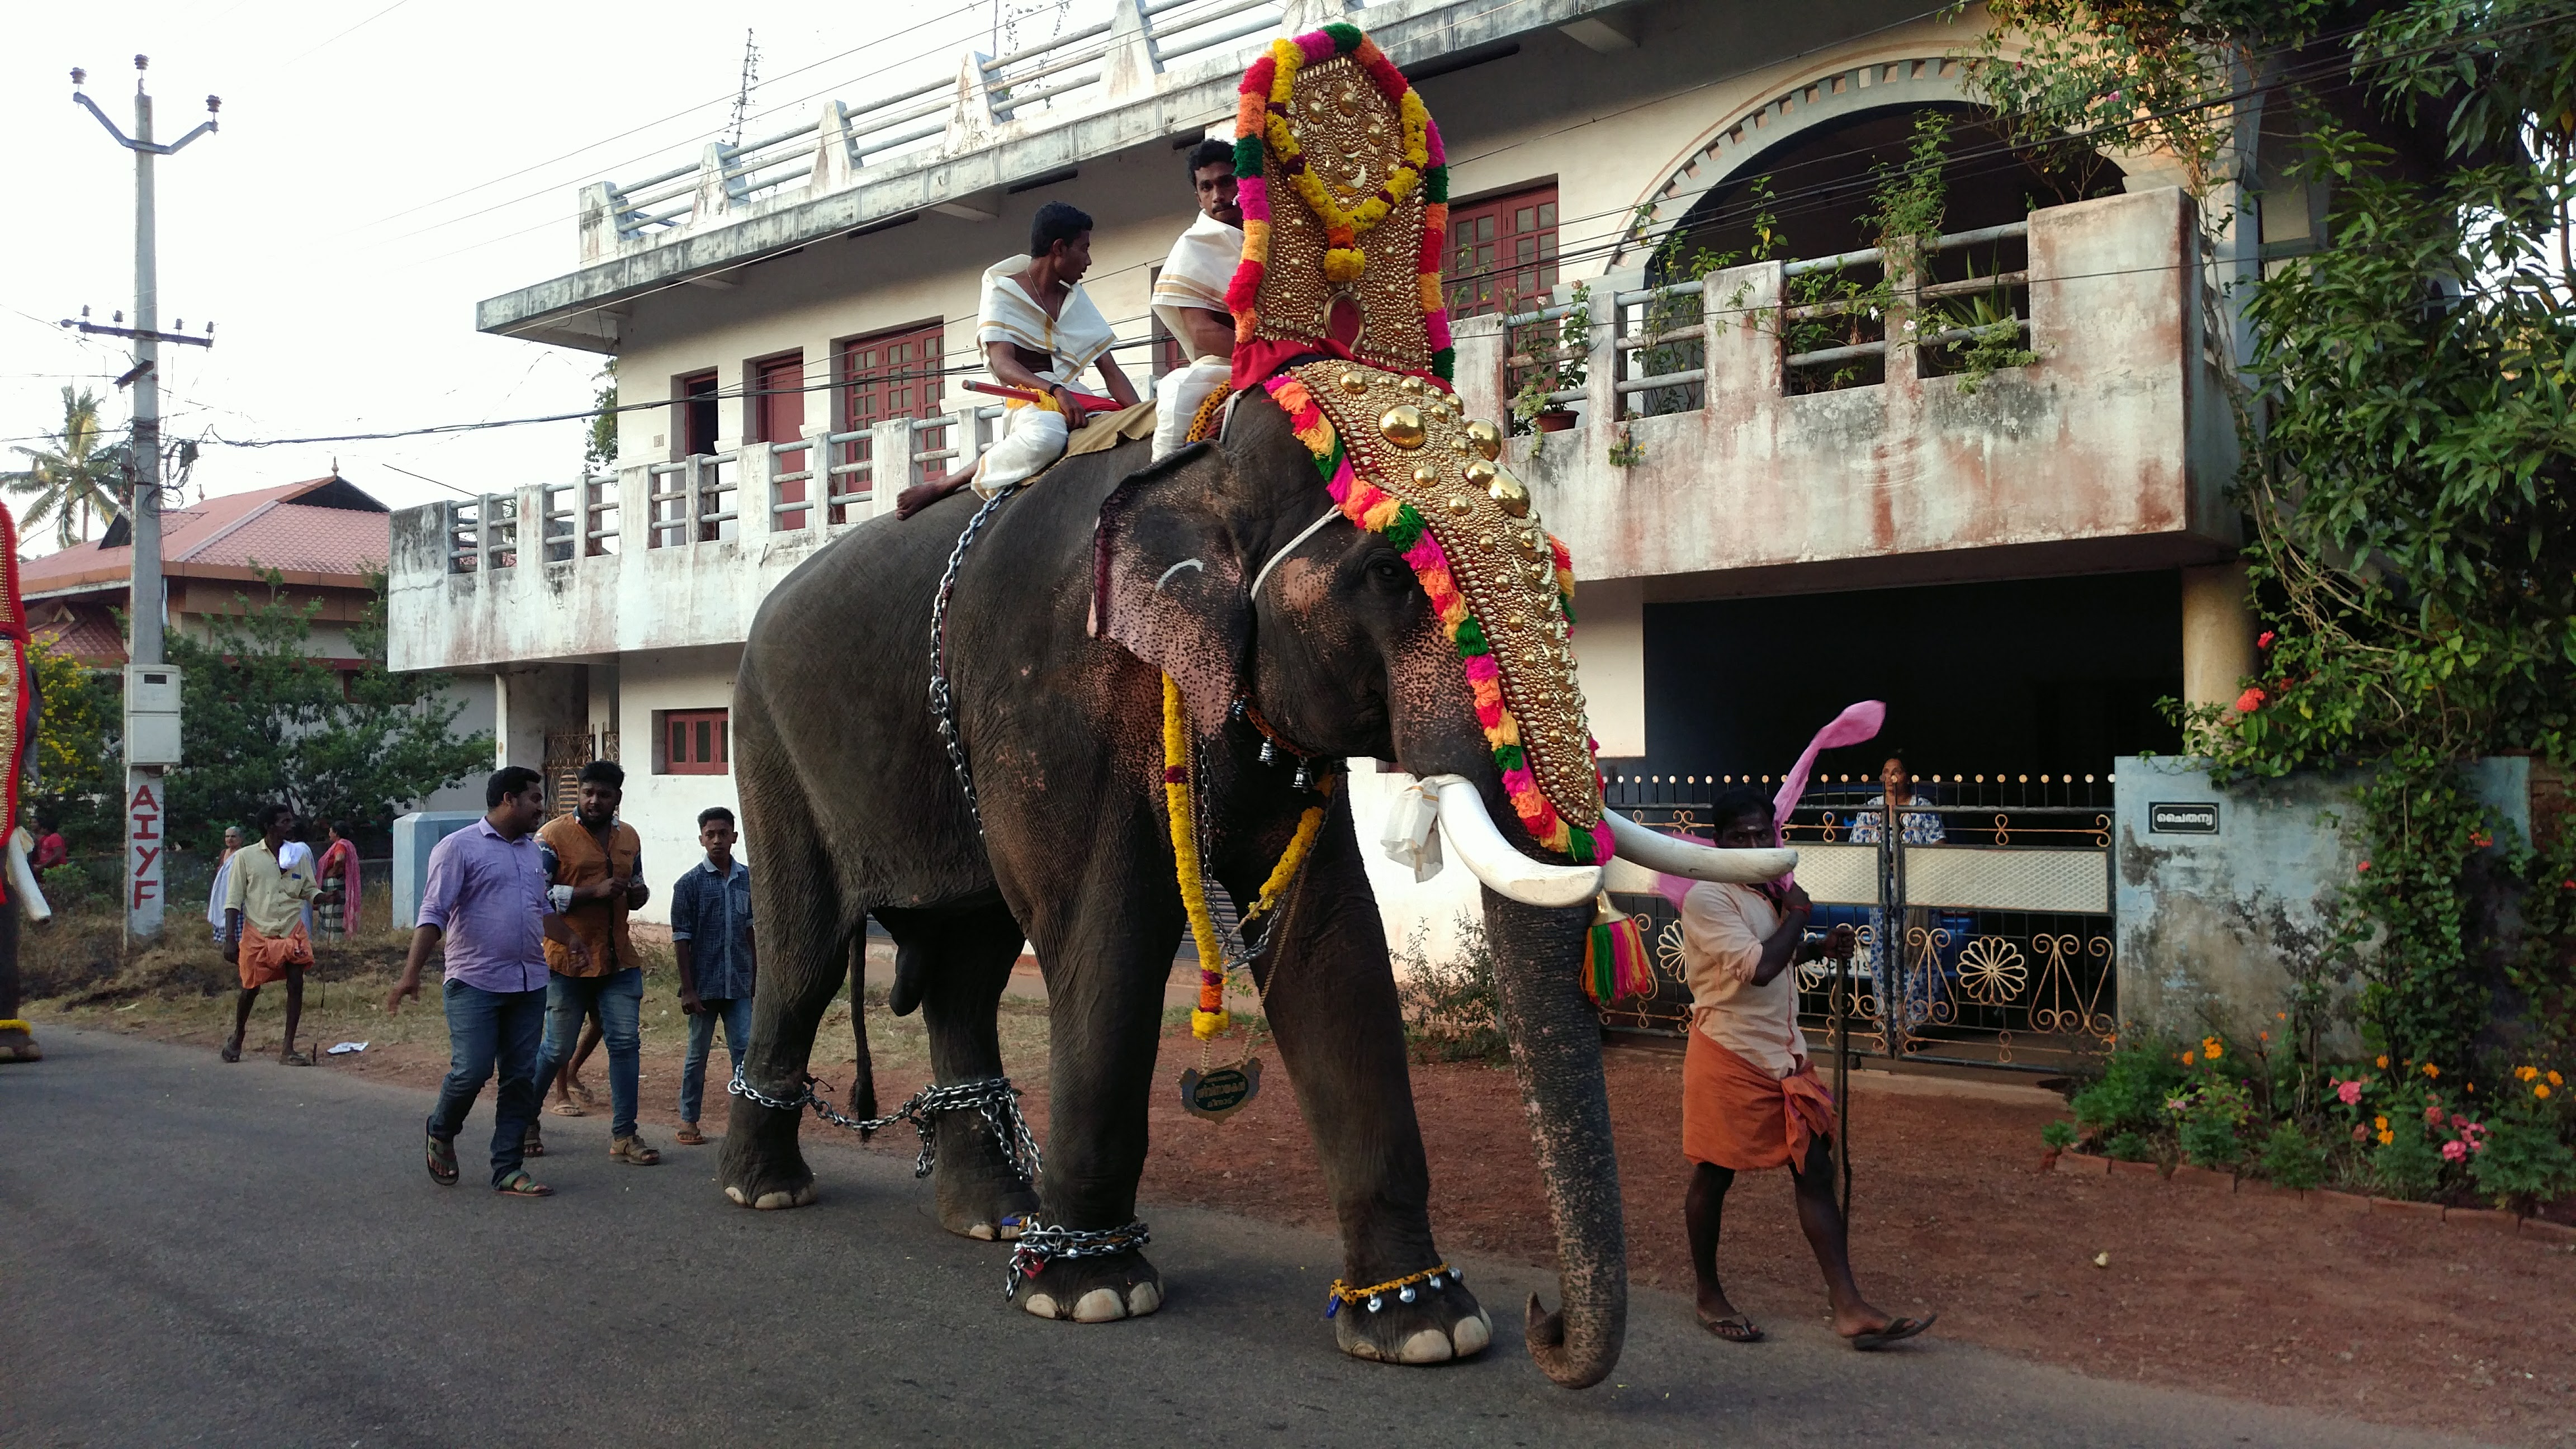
[{"x": 1339, "y": 316}]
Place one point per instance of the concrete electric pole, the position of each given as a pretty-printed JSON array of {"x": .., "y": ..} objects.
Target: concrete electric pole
[{"x": 151, "y": 688}]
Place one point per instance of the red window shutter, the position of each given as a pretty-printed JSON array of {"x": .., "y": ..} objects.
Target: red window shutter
[
  {"x": 779, "y": 392},
  {"x": 1502, "y": 253},
  {"x": 886, "y": 376},
  {"x": 696, "y": 742}
]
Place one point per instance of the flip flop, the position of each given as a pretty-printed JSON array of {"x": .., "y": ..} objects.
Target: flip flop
[
  {"x": 442, "y": 1162},
  {"x": 1897, "y": 1331},
  {"x": 1736, "y": 1329},
  {"x": 566, "y": 1107}
]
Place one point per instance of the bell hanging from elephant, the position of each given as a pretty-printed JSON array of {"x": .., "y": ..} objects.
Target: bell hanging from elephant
[
  {"x": 19, "y": 707},
  {"x": 1141, "y": 681}
]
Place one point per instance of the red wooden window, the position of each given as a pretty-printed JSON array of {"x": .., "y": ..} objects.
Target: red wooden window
[
  {"x": 1502, "y": 253},
  {"x": 778, "y": 412},
  {"x": 695, "y": 742},
  {"x": 886, "y": 376}
]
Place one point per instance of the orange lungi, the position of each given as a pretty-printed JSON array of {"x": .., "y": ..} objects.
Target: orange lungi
[
  {"x": 265, "y": 958},
  {"x": 1734, "y": 1114}
]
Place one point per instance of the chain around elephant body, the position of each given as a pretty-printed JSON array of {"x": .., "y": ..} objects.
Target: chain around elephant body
[{"x": 943, "y": 705}]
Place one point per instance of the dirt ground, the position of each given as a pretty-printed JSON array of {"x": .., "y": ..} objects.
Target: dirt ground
[{"x": 2425, "y": 1324}]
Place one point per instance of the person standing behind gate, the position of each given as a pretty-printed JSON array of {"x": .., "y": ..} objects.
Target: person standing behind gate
[
  {"x": 594, "y": 865},
  {"x": 711, "y": 934},
  {"x": 1750, "y": 1098},
  {"x": 1903, "y": 960},
  {"x": 485, "y": 902}
]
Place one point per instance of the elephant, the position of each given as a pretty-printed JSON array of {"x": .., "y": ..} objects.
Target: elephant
[
  {"x": 1079, "y": 596},
  {"x": 23, "y": 895}
]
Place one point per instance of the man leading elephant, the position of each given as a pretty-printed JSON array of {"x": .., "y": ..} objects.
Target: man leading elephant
[{"x": 594, "y": 864}]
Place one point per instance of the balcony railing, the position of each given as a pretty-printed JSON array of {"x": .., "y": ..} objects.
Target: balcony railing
[{"x": 1065, "y": 75}]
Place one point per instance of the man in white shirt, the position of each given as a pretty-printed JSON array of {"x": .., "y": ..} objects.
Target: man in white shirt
[
  {"x": 1189, "y": 297},
  {"x": 1038, "y": 330},
  {"x": 1750, "y": 1098}
]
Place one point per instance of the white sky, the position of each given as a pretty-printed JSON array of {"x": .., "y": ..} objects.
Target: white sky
[{"x": 321, "y": 231}]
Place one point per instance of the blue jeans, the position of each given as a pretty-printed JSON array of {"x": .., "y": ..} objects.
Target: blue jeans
[
  {"x": 487, "y": 1029},
  {"x": 619, "y": 999},
  {"x": 736, "y": 1015}
]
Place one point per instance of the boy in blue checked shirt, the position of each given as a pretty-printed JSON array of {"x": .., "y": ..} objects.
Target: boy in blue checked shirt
[{"x": 711, "y": 933}]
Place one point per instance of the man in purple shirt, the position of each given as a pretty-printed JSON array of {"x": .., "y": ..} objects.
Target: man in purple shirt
[{"x": 486, "y": 897}]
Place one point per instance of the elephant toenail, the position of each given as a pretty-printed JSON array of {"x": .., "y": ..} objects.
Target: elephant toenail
[
  {"x": 735, "y": 1193},
  {"x": 1100, "y": 1305},
  {"x": 1472, "y": 1334},
  {"x": 1040, "y": 1304},
  {"x": 1144, "y": 1298},
  {"x": 772, "y": 1201},
  {"x": 1428, "y": 1346},
  {"x": 981, "y": 1232}
]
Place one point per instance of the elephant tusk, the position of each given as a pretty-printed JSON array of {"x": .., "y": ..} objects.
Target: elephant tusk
[
  {"x": 22, "y": 879},
  {"x": 1657, "y": 851},
  {"x": 1482, "y": 849}
]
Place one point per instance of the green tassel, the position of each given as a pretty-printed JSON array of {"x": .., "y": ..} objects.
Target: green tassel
[
  {"x": 1405, "y": 529},
  {"x": 1444, "y": 364},
  {"x": 1346, "y": 38},
  {"x": 1247, "y": 156},
  {"x": 1470, "y": 639},
  {"x": 1435, "y": 183}
]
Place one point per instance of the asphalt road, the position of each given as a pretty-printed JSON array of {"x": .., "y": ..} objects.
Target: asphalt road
[{"x": 192, "y": 1253}]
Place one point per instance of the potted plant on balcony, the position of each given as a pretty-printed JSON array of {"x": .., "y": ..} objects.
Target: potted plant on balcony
[{"x": 1561, "y": 365}]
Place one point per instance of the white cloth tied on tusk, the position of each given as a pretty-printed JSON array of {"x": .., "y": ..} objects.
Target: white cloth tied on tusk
[{"x": 1411, "y": 835}]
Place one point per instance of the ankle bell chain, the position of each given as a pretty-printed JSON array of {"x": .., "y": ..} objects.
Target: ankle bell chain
[{"x": 1373, "y": 1297}]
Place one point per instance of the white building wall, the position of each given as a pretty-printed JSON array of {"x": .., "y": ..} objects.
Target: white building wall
[
  {"x": 664, "y": 808},
  {"x": 480, "y": 694}
]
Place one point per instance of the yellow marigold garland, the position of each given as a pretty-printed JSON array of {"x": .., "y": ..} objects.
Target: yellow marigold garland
[{"x": 1211, "y": 1019}]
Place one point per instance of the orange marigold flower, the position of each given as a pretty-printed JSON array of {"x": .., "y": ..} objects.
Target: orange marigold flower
[
  {"x": 2557, "y": 1081},
  {"x": 2431, "y": 1070},
  {"x": 2541, "y": 1091},
  {"x": 2383, "y": 1061}
]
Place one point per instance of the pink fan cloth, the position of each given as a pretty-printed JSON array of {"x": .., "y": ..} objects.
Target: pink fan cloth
[{"x": 1857, "y": 723}]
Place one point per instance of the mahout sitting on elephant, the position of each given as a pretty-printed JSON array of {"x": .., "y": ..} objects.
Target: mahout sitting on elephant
[{"x": 1344, "y": 572}]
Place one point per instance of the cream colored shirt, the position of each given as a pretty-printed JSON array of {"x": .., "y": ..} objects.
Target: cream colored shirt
[
  {"x": 1073, "y": 338},
  {"x": 1195, "y": 276},
  {"x": 1723, "y": 928},
  {"x": 270, "y": 899}
]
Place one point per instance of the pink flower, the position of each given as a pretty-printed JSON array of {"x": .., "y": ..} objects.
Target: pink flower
[
  {"x": 2265, "y": 642},
  {"x": 2360, "y": 1132},
  {"x": 2433, "y": 1114},
  {"x": 2250, "y": 701},
  {"x": 2454, "y": 1151},
  {"x": 2349, "y": 1092},
  {"x": 2460, "y": 1123}
]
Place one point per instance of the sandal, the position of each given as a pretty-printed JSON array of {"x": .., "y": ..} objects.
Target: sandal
[
  {"x": 532, "y": 1145},
  {"x": 442, "y": 1162},
  {"x": 232, "y": 1050},
  {"x": 689, "y": 1135},
  {"x": 633, "y": 1152},
  {"x": 1897, "y": 1331},
  {"x": 566, "y": 1107},
  {"x": 1735, "y": 1329},
  {"x": 585, "y": 1095},
  {"x": 520, "y": 1184}
]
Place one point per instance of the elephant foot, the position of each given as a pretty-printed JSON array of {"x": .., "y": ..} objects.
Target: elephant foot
[
  {"x": 761, "y": 1166},
  {"x": 980, "y": 1195},
  {"x": 1437, "y": 1326},
  {"x": 1094, "y": 1290},
  {"x": 19, "y": 1045}
]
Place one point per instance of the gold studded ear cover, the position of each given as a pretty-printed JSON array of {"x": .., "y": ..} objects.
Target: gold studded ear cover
[
  {"x": 1402, "y": 462},
  {"x": 1345, "y": 196}
]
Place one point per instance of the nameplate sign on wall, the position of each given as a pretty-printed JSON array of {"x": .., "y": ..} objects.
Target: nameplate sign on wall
[{"x": 2193, "y": 818}]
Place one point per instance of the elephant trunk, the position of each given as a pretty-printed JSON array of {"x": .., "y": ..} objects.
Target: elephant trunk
[{"x": 1556, "y": 1051}]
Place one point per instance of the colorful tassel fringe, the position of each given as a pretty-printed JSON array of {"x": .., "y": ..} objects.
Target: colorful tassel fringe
[{"x": 1614, "y": 957}]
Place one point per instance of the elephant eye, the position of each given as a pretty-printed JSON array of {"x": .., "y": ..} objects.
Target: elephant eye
[{"x": 1389, "y": 572}]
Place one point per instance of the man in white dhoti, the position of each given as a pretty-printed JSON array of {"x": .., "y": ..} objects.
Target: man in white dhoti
[
  {"x": 1039, "y": 331},
  {"x": 1189, "y": 297}
]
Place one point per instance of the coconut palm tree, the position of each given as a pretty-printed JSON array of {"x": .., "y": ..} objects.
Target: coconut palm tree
[{"x": 81, "y": 476}]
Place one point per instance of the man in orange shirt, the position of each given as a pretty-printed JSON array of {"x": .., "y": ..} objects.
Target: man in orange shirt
[{"x": 595, "y": 864}]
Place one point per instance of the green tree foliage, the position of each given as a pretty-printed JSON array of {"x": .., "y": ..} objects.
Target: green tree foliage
[
  {"x": 78, "y": 739},
  {"x": 262, "y": 720},
  {"x": 599, "y": 449},
  {"x": 80, "y": 476},
  {"x": 2405, "y": 413}
]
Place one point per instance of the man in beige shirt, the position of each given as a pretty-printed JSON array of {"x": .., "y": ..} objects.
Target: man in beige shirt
[
  {"x": 1750, "y": 1098},
  {"x": 264, "y": 932}
]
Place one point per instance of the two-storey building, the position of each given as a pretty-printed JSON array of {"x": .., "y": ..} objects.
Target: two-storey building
[{"x": 1776, "y": 504}]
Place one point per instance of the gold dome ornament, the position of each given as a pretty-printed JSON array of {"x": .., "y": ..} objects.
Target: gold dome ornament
[
  {"x": 1485, "y": 438},
  {"x": 1354, "y": 384},
  {"x": 1425, "y": 475},
  {"x": 1480, "y": 473},
  {"x": 1402, "y": 426},
  {"x": 1509, "y": 492}
]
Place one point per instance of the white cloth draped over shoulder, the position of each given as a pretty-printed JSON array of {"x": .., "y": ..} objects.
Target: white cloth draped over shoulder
[
  {"x": 1074, "y": 338},
  {"x": 1193, "y": 279}
]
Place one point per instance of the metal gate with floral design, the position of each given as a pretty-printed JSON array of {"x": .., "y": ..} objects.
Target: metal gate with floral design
[{"x": 2000, "y": 951}]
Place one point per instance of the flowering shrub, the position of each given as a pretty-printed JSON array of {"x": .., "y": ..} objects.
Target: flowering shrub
[{"x": 2208, "y": 1121}]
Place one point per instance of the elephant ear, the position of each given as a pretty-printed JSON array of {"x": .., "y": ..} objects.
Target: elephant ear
[{"x": 1168, "y": 583}]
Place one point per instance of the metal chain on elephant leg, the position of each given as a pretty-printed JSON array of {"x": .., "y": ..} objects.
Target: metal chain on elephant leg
[
  {"x": 994, "y": 1098},
  {"x": 943, "y": 705},
  {"x": 1043, "y": 1243}
]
